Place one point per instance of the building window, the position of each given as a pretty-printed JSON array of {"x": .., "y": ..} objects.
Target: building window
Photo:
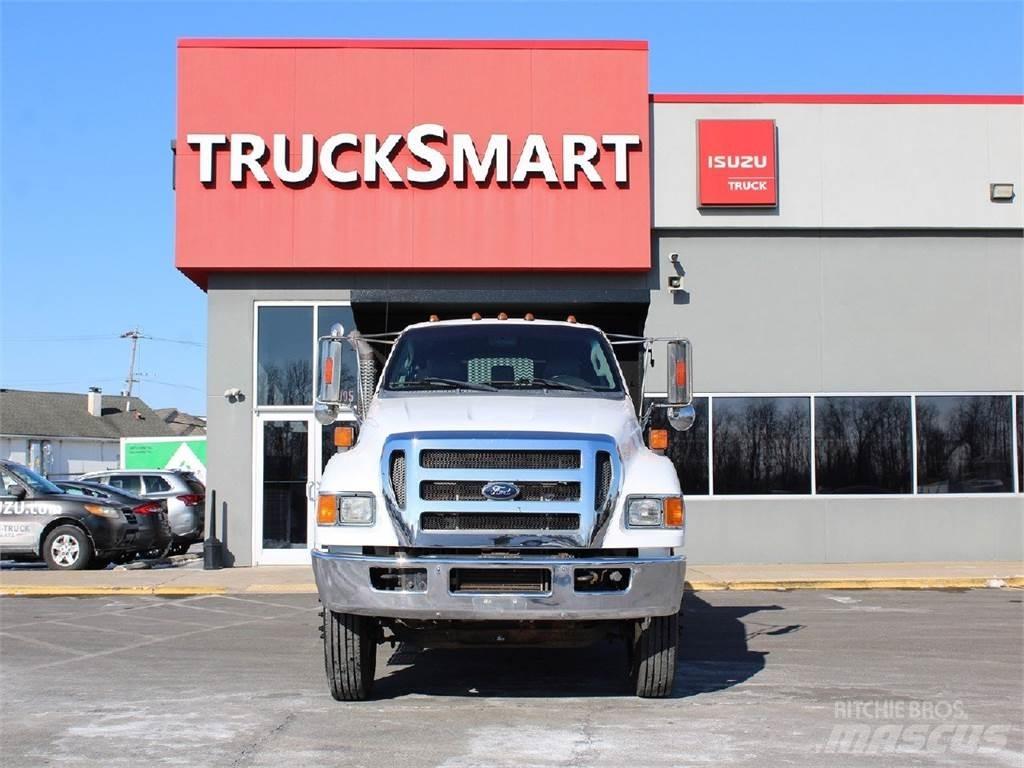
[
  {"x": 688, "y": 450},
  {"x": 284, "y": 356},
  {"x": 862, "y": 445},
  {"x": 964, "y": 444},
  {"x": 761, "y": 445},
  {"x": 1020, "y": 444}
]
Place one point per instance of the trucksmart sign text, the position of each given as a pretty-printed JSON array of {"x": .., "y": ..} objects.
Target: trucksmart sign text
[
  {"x": 347, "y": 159},
  {"x": 736, "y": 163}
]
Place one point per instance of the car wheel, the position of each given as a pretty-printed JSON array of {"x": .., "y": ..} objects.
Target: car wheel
[
  {"x": 655, "y": 644},
  {"x": 67, "y": 548},
  {"x": 350, "y": 655}
]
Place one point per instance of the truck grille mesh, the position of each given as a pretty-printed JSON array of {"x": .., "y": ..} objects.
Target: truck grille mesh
[
  {"x": 397, "y": 473},
  {"x": 490, "y": 459},
  {"x": 487, "y": 521},
  {"x": 603, "y": 480},
  {"x": 471, "y": 490}
]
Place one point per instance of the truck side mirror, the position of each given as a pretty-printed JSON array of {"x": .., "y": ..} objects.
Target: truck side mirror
[
  {"x": 680, "y": 411},
  {"x": 19, "y": 492},
  {"x": 333, "y": 396}
]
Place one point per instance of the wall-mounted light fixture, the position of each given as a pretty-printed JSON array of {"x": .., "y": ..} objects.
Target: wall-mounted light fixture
[
  {"x": 1001, "y": 193},
  {"x": 675, "y": 282}
]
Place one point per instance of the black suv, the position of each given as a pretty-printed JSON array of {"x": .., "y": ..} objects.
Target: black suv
[{"x": 38, "y": 520}]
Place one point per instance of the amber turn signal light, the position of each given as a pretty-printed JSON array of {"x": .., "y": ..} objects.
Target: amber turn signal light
[
  {"x": 326, "y": 510},
  {"x": 657, "y": 439},
  {"x": 344, "y": 437},
  {"x": 675, "y": 512},
  {"x": 680, "y": 373}
]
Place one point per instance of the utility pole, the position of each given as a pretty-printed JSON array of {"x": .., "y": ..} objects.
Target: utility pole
[{"x": 135, "y": 334}]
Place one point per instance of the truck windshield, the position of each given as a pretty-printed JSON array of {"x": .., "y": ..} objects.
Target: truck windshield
[{"x": 488, "y": 357}]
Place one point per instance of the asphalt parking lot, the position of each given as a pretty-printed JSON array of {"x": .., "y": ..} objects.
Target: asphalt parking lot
[{"x": 814, "y": 678}]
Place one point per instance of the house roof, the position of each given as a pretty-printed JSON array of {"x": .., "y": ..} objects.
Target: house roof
[
  {"x": 182, "y": 423},
  {"x": 65, "y": 414}
]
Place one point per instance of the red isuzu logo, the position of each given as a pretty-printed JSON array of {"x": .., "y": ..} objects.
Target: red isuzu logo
[{"x": 736, "y": 163}]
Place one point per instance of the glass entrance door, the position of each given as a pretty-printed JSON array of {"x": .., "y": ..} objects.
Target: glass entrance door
[{"x": 285, "y": 488}]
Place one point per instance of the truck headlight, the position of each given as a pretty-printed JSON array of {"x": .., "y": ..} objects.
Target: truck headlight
[
  {"x": 655, "y": 512},
  {"x": 355, "y": 510},
  {"x": 352, "y": 509},
  {"x": 644, "y": 513}
]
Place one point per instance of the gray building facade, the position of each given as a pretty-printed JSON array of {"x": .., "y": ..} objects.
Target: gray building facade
[{"x": 859, "y": 345}]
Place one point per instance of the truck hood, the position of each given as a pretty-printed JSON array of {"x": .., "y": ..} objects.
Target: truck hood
[{"x": 445, "y": 412}]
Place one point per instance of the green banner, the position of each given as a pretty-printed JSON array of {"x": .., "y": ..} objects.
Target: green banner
[{"x": 187, "y": 453}]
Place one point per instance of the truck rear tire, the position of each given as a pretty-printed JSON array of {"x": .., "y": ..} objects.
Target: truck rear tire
[
  {"x": 350, "y": 655},
  {"x": 655, "y": 644}
]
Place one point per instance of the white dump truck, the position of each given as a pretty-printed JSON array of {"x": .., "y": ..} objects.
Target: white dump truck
[{"x": 496, "y": 485}]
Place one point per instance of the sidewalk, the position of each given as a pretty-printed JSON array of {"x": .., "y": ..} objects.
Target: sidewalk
[{"x": 190, "y": 579}]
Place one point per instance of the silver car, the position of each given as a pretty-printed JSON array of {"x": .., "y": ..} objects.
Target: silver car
[{"x": 184, "y": 493}]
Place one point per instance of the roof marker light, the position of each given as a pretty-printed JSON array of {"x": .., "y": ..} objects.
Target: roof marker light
[
  {"x": 528, "y": 316},
  {"x": 571, "y": 319},
  {"x": 475, "y": 316},
  {"x": 434, "y": 318},
  {"x": 503, "y": 316}
]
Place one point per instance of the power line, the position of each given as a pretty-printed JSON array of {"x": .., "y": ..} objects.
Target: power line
[
  {"x": 148, "y": 380},
  {"x": 32, "y": 340},
  {"x": 111, "y": 337},
  {"x": 176, "y": 341}
]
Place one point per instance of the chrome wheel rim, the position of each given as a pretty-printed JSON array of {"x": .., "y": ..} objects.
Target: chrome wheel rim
[{"x": 65, "y": 550}]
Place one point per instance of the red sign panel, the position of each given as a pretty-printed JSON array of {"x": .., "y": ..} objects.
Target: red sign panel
[
  {"x": 736, "y": 163},
  {"x": 399, "y": 155}
]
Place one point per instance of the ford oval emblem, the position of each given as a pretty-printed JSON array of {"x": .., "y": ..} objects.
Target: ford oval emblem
[{"x": 500, "y": 491}]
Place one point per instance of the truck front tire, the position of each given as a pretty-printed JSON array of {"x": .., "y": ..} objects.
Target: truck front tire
[
  {"x": 350, "y": 654},
  {"x": 655, "y": 644}
]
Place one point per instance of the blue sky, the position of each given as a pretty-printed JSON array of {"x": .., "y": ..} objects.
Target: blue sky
[{"x": 87, "y": 97}]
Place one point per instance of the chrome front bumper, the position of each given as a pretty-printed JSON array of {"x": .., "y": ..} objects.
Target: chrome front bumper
[{"x": 655, "y": 589}]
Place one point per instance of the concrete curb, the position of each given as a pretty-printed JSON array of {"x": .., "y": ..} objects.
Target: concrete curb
[
  {"x": 160, "y": 591},
  {"x": 1016, "y": 582},
  {"x": 979, "y": 582}
]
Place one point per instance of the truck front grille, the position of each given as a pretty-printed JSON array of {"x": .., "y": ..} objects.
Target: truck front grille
[
  {"x": 498, "y": 580},
  {"x": 496, "y": 459},
  {"x": 397, "y": 474},
  {"x": 603, "y": 480},
  {"x": 499, "y": 521},
  {"x": 472, "y": 490}
]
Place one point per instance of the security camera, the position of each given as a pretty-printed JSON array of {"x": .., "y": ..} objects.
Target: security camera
[
  {"x": 674, "y": 258},
  {"x": 233, "y": 394}
]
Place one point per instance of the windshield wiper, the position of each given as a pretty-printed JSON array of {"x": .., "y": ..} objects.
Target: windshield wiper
[
  {"x": 455, "y": 383},
  {"x": 552, "y": 384}
]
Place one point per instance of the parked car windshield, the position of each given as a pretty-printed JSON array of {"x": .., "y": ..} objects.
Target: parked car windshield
[
  {"x": 37, "y": 483},
  {"x": 490, "y": 357}
]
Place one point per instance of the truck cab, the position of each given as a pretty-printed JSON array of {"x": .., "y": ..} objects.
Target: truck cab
[{"x": 498, "y": 487}]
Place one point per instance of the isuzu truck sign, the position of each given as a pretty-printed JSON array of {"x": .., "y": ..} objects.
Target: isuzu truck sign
[
  {"x": 736, "y": 163},
  {"x": 347, "y": 159}
]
